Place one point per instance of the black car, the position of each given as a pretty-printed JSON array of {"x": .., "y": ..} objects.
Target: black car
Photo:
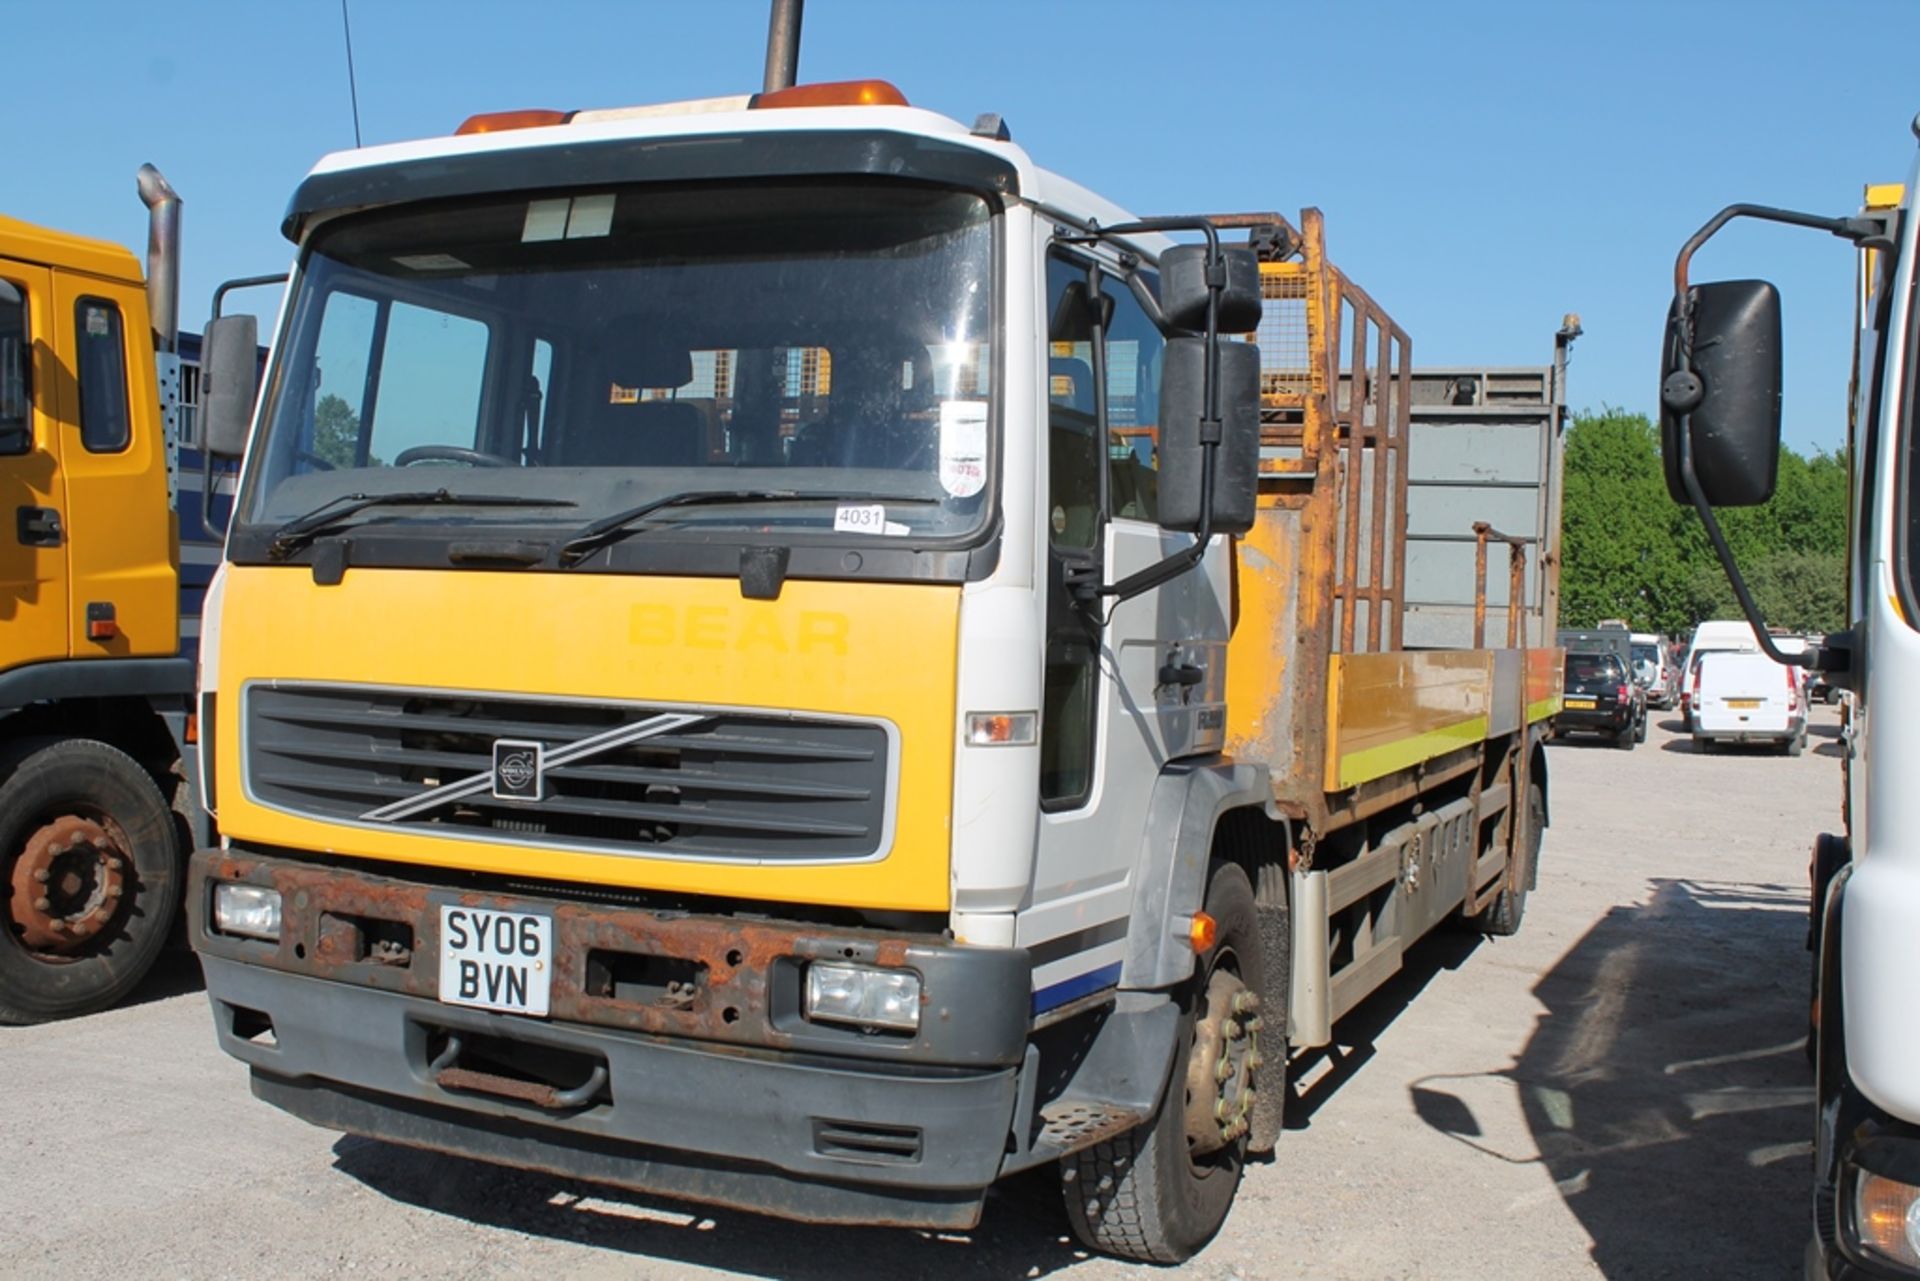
[{"x": 1600, "y": 698}]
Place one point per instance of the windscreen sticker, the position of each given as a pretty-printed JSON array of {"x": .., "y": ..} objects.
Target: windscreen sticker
[
  {"x": 963, "y": 447},
  {"x": 429, "y": 262},
  {"x": 860, "y": 520},
  {"x": 546, "y": 220},
  {"x": 623, "y": 395},
  {"x": 591, "y": 216}
]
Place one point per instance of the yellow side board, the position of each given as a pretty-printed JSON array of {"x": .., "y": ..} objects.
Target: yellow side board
[
  {"x": 1389, "y": 711},
  {"x": 861, "y": 649}
]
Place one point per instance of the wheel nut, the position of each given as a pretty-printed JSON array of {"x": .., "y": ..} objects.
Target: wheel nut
[
  {"x": 1222, "y": 1070},
  {"x": 115, "y": 863},
  {"x": 113, "y": 891},
  {"x": 40, "y": 874},
  {"x": 1231, "y": 1030},
  {"x": 42, "y": 904}
]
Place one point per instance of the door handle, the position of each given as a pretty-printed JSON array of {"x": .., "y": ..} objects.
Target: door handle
[
  {"x": 1172, "y": 673},
  {"x": 38, "y": 526}
]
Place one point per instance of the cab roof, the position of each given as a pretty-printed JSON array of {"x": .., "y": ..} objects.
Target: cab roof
[
  {"x": 30, "y": 242},
  {"x": 647, "y": 143}
]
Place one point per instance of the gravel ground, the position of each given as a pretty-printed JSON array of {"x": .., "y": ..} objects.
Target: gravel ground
[{"x": 1619, "y": 1091}]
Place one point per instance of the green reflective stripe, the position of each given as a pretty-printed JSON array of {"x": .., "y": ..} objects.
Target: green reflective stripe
[
  {"x": 1544, "y": 708},
  {"x": 1378, "y": 762}
]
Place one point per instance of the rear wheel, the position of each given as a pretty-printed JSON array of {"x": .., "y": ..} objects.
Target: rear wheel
[
  {"x": 1502, "y": 917},
  {"x": 1624, "y": 738},
  {"x": 90, "y": 873},
  {"x": 1160, "y": 1192},
  {"x": 1795, "y": 745},
  {"x": 1640, "y": 735}
]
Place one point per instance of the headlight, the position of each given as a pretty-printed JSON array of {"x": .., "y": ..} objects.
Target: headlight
[
  {"x": 252, "y": 911},
  {"x": 857, "y": 994},
  {"x": 1886, "y": 1214}
]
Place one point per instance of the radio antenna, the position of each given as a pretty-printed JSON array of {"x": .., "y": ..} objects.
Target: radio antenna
[{"x": 353, "y": 92}]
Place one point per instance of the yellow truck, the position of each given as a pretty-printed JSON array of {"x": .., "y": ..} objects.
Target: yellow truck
[
  {"x": 774, "y": 651},
  {"x": 96, "y": 732}
]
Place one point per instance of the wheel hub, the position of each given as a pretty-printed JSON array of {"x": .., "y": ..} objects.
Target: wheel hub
[
  {"x": 67, "y": 884},
  {"x": 1226, "y": 1051}
]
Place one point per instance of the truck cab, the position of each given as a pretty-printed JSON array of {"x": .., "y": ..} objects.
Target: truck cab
[
  {"x": 95, "y": 693},
  {"x": 1720, "y": 424}
]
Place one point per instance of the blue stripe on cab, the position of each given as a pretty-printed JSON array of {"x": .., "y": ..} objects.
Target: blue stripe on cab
[{"x": 1074, "y": 988}]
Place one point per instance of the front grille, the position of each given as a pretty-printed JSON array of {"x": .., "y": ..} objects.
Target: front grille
[{"x": 732, "y": 785}]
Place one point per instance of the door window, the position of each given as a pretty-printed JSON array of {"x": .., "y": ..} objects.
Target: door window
[
  {"x": 16, "y": 388},
  {"x": 104, "y": 426}
]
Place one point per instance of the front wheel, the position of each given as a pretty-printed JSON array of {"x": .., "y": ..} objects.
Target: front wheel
[
  {"x": 90, "y": 867},
  {"x": 1160, "y": 1192}
]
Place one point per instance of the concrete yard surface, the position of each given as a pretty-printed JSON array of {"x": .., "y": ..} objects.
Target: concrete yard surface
[{"x": 1619, "y": 1091}]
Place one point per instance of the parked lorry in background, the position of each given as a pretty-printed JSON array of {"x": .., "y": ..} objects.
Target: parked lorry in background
[
  {"x": 100, "y": 593},
  {"x": 1720, "y": 424},
  {"x": 787, "y": 656}
]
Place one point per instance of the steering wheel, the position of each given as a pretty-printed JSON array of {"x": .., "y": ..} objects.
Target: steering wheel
[{"x": 449, "y": 454}]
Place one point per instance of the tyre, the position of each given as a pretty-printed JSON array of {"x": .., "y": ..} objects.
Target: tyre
[
  {"x": 1795, "y": 745},
  {"x": 1640, "y": 736},
  {"x": 1160, "y": 1192},
  {"x": 90, "y": 868},
  {"x": 1624, "y": 738},
  {"x": 1501, "y": 918}
]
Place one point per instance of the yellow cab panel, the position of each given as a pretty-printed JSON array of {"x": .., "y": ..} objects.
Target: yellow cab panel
[
  {"x": 122, "y": 543},
  {"x": 33, "y": 553},
  {"x": 880, "y": 651}
]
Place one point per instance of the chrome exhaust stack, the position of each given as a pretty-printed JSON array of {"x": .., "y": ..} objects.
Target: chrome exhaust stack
[{"x": 163, "y": 256}]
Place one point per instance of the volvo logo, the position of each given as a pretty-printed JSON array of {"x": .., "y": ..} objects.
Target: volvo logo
[
  {"x": 520, "y": 766},
  {"x": 517, "y": 769}
]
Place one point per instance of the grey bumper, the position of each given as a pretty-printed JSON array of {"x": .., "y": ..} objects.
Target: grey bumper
[
  {"x": 824, "y": 1141},
  {"x": 729, "y": 1096}
]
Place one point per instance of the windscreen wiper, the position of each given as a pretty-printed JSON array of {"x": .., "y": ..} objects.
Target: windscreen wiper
[
  {"x": 612, "y": 528},
  {"x": 301, "y": 530}
]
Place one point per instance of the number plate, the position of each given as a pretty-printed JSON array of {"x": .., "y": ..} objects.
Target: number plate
[
  {"x": 1580, "y": 704},
  {"x": 496, "y": 960},
  {"x": 1743, "y": 702}
]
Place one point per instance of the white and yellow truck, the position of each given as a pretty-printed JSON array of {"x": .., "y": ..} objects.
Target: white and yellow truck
[{"x": 774, "y": 651}]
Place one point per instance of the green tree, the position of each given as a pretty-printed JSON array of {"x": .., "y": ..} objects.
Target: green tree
[
  {"x": 1629, "y": 551},
  {"x": 336, "y": 432}
]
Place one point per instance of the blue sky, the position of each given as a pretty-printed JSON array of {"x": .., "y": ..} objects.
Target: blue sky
[{"x": 1484, "y": 167}]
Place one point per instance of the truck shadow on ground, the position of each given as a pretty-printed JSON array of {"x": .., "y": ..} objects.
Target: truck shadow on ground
[
  {"x": 1664, "y": 1088},
  {"x": 176, "y": 973},
  {"x": 1023, "y": 1233}
]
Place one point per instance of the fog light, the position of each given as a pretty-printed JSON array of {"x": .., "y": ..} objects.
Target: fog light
[
  {"x": 252, "y": 911},
  {"x": 1886, "y": 1213},
  {"x": 856, "y": 994}
]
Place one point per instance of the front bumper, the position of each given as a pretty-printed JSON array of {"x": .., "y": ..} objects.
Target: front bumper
[{"x": 722, "y": 1093}]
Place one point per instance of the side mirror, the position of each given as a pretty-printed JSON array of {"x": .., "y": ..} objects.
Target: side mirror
[
  {"x": 1728, "y": 401},
  {"x": 1236, "y": 474},
  {"x": 1183, "y": 289},
  {"x": 229, "y": 362}
]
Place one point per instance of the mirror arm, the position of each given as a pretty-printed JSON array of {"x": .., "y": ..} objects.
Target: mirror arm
[
  {"x": 1682, "y": 390},
  {"x": 1806, "y": 658},
  {"x": 1169, "y": 567}
]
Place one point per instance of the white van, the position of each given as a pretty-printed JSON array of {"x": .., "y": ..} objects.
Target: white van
[
  {"x": 1746, "y": 697},
  {"x": 1714, "y": 636}
]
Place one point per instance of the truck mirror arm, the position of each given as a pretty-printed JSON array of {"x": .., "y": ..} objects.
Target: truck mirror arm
[
  {"x": 1682, "y": 390},
  {"x": 1088, "y": 587}
]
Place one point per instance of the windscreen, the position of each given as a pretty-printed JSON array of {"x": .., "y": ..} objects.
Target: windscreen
[{"x": 609, "y": 349}]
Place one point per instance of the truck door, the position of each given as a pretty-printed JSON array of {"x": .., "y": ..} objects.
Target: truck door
[
  {"x": 120, "y": 526},
  {"x": 1129, "y": 686},
  {"x": 33, "y": 554}
]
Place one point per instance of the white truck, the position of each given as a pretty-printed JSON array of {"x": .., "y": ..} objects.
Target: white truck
[{"x": 1720, "y": 424}]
